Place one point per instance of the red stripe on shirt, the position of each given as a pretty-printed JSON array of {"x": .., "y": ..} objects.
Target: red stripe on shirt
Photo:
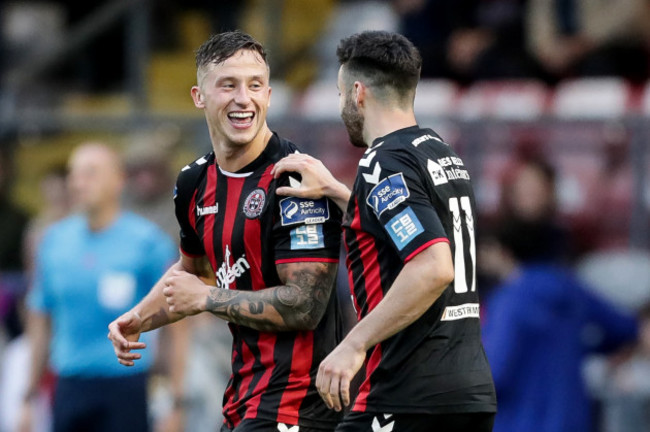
[
  {"x": 362, "y": 397},
  {"x": 299, "y": 378},
  {"x": 424, "y": 246},
  {"x": 191, "y": 211},
  {"x": 369, "y": 260},
  {"x": 252, "y": 239},
  {"x": 209, "y": 199},
  {"x": 230, "y": 412},
  {"x": 246, "y": 374},
  {"x": 266, "y": 345}
]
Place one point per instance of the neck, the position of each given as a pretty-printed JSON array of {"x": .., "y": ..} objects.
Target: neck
[
  {"x": 233, "y": 157},
  {"x": 381, "y": 121},
  {"x": 101, "y": 218}
]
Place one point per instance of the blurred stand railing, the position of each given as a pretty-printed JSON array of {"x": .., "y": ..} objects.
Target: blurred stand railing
[{"x": 19, "y": 79}]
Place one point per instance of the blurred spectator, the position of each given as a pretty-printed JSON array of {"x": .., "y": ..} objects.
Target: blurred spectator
[
  {"x": 529, "y": 196},
  {"x": 613, "y": 189},
  {"x": 623, "y": 384},
  {"x": 540, "y": 321},
  {"x": 151, "y": 177},
  {"x": 468, "y": 40},
  {"x": 110, "y": 261},
  {"x": 590, "y": 37},
  {"x": 55, "y": 205}
]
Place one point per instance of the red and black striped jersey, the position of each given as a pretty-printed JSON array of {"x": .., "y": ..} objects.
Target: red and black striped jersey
[
  {"x": 412, "y": 191},
  {"x": 245, "y": 229}
]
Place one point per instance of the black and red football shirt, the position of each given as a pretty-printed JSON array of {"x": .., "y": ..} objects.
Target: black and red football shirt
[
  {"x": 412, "y": 191},
  {"x": 245, "y": 229}
]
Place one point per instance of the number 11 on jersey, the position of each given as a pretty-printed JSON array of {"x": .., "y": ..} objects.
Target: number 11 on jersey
[{"x": 460, "y": 274}]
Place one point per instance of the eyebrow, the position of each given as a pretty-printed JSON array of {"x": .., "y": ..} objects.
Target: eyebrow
[{"x": 239, "y": 78}]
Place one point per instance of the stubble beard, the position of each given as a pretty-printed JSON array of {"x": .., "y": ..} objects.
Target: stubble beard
[{"x": 353, "y": 122}]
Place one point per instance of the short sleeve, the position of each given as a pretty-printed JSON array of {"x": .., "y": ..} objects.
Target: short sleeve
[
  {"x": 307, "y": 230},
  {"x": 396, "y": 195},
  {"x": 184, "y": 197}
]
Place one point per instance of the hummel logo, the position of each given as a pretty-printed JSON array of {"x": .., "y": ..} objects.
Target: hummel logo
[
  {"x": 202, "y": 211},
  {"x": 284, "y": 428},
  {"x": 384, "y": 424}
]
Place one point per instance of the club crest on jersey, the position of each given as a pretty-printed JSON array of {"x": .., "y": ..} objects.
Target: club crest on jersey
[
  {"x": 295, "y": 210},
  {"x": 254, "y": 203},
  {"x": 388, "y": 193}
]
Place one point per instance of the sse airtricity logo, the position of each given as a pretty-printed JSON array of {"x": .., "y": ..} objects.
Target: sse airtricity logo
[
  {"x": 300, "y": 210},
  {"x": 388, "y": 194}
]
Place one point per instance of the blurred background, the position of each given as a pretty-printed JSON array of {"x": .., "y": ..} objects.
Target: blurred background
[{"x": 507, "y": 83}]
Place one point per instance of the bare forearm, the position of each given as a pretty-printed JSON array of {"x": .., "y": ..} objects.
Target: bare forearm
[
  {"x": 416, "y": 288},
  {"x": 153, "y": 308},
  {"x": 339, "y": 193},
  {"x": 297, "y": 305}
]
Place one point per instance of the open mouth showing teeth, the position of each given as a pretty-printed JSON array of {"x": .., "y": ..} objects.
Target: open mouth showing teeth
[{"x": 240, "y": 117}]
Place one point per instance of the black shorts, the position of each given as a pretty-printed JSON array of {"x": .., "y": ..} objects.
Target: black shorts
[
  {"x": 261, "y": 425},
  {"x": 461, "y": 422}
]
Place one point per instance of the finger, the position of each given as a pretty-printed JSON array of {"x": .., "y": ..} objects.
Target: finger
[
  {"x": 115, "y": 335},
  {"x": 345, "y": 391},
  {"x": 288, "y": 191},
  {"x": 322, "y": 385},
  {"x": 334, "y": 393},
  {"x": 129, "y": 356},
  {"x": 137, "y": 345}
]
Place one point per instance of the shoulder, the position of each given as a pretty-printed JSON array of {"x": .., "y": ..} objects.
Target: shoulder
[
  {"x": 195, "y": 169},
  {"x": 66, "y": 226},
  {"x": 279, "y": 147}
]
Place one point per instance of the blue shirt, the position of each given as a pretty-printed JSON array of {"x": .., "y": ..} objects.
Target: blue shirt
[
  {"x": 85, "y": 279},
  {"x": 539, "y": 325}
]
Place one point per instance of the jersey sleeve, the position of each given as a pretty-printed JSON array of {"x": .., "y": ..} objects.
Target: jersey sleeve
[
  {"x": 184, "y": 197},
  {"x": 395, "y": 194},
  {"x": 307, "y": 230}
]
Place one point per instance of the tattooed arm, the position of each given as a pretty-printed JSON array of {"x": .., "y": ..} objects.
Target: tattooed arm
[{"x": 298, "y": 304}]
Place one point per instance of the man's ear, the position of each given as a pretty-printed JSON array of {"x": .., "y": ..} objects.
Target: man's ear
[
  {"x": 197, "y": 97},
  {"x": 360, "y": 93}
]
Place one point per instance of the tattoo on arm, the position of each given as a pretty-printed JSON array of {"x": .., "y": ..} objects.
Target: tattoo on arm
[{"x": 299, "y": 304}]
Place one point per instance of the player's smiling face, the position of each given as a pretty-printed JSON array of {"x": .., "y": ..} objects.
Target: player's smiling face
[{"x": 235, "y": 95}]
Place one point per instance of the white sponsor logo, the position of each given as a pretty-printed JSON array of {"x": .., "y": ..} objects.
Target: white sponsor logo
[
  {"x": 202, "y": 211},
  {"x": 467, "y": 310},
  {"x": 228, "y": 273},
  {"x": 416, "y": 142}
]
